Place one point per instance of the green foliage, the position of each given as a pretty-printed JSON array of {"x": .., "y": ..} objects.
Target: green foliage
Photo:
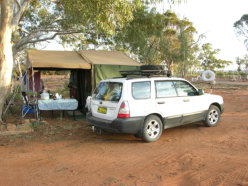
[
  {"x": 17, "y": 92},
  {"x": 209, "y": 60},
  {"x": 103, "y": 15},
  {"x": 220, "y": 74},
  {"x": 78, "y": 22},
  {"x": 242, "y": 63},
  {"x": 230, "y": 73},
  {"x": 241, "y": 27},
  {"x": 239, "y": 62},
  {"x": 141, "y": 34},
  {"x": 159, "y": 39},
  {"x": 59, "y": 72},
  {"x": 35, "y": 125},
  {"x": 66, "y": 88},
  {"x": 59, "y": 91},
  {"x": 170, "y": 43},
  {"x": 188, "y": 46}
]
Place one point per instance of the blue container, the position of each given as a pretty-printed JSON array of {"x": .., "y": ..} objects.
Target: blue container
[{"x": 25, "y": 109}]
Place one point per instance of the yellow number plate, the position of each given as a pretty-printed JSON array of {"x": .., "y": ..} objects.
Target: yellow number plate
[{"x": 102, "y": 110}]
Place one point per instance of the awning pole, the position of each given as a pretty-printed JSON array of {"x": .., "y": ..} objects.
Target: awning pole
[
  {"x": 33, "y": 82},
  {"x": 92, "y": 79}
]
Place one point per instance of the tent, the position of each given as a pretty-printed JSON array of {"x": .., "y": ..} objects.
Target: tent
[{"x": 87, "y": 67}]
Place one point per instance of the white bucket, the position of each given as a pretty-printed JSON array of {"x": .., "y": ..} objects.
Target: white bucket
[{"x": 44, "y": 95}]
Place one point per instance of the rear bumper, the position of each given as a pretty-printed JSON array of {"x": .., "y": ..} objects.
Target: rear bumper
[{"x": 119, "y": 125}]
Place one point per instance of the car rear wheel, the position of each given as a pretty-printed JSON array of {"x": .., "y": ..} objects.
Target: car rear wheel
[
  {"x": 152, "y": 129},
  {"x": 213, "y": 116}
]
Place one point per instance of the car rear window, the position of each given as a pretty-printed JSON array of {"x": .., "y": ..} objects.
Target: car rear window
[{"x": 108, "y": 91}]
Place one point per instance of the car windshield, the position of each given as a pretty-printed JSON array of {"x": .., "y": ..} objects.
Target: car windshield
[{"x": 108, "y": 91}]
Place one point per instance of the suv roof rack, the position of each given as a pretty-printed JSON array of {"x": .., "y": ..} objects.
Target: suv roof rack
[{"x": 146, "y": 73}]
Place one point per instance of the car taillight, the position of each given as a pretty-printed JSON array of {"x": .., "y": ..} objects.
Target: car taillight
[{"x": 124, "y": 111}]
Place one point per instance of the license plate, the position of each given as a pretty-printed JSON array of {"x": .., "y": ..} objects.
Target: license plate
[{"x": 102, "y": 110}]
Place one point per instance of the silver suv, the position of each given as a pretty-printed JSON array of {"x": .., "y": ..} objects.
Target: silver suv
[{"x": 144, "y": 106}]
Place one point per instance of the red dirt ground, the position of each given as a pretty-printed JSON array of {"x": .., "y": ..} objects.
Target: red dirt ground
[{"x": 69, "y": 153}]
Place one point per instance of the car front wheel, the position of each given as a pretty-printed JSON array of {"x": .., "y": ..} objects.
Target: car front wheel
[
  {"x": 152, "y": 129},
  {"x": 213, "y": 116}
]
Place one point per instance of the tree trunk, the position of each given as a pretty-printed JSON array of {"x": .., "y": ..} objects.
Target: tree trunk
[{"x": 6, "y": 57}]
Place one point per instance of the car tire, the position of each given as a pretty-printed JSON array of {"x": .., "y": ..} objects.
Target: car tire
[
  {"x": 138, "y": 134},
  {"x": 152, "y": 129},
  {"x": 213, "y": 116}
]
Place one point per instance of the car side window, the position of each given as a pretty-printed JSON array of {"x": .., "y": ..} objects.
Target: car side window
[
  {"x": 185, "y": 89},
  {"x": 141, "y": 90},
  {"x": 165, "y": 89}
]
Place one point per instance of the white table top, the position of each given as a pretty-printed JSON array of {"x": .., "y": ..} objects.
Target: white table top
[{"x": 58, "y": 104}]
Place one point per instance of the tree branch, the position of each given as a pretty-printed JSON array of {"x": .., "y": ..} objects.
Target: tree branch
[
  {"x": 51, "y": 37},
  {"x": 44, "y": 31},
  {"x": 38, "y": 38},
  {"x": 18, "y": 4},
  {"x": 22, "y": 8}
]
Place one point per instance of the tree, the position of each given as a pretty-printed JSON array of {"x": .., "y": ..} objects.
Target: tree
[
  {"x": 74, "y": 20},
  {"x": 25, "y": 22},
  {"x": 209, "y": 60},
  {"x": 11, "y": 13},
  {"x": 241, "y": 27},
  {"x": 187, "y": 45},
  {"x": 169, "y": 46},
  {"x": 141, "y": 35},
  {"x": 242, "y": 62},
  {"x": 158, "y": 38},
  {"x": 246, "y": 63},
  {"x": 239, "y": 62}
]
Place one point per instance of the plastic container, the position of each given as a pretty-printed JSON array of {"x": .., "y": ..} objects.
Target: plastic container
[
  {"x": 27, "y": 110},
  {"x": 44, "y": 96}
]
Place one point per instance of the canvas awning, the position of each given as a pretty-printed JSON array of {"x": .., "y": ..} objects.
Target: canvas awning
[
  {"x": 104, "y": 57},
  {"x": 56, "y": 60}
]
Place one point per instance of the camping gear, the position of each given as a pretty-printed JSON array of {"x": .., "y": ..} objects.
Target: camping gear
[
  {"x": 88, "y": 68},
  {"x": 44, "y": 95},
  {"x": 29, "y": 107}
]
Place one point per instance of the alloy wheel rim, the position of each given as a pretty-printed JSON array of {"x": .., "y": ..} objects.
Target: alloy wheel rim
[
  {"x": 213, "y": 116},
  {"x": 153, "y": 129}
]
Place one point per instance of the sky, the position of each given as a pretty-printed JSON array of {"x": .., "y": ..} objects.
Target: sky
[{"x": 215, "y": 19}]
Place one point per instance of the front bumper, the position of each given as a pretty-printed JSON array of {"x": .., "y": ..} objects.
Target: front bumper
[{"x": 119, "y": 125}]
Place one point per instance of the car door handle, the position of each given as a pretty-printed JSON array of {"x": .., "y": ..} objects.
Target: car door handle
[
  {"x": 186, "y": 100},
  {"x": 161, "y": 102}
]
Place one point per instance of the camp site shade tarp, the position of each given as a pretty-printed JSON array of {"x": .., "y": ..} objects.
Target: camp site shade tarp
[
  {"x": 56, "y": 60},
  {"x": 110, "y": 71},
  {"x": 103, "y": 57},
  {"x": 88, "y": 67},
  {"x": 108, "y": 64}
]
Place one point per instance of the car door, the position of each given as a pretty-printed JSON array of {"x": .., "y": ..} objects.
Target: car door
[
  {"x": 194, "y": 105},
  {"x": 168, "y": 103},
  {"x": 141, "y": 101}
]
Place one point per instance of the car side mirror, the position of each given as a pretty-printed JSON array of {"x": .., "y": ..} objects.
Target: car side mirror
[{"x": 200, "y": 92}]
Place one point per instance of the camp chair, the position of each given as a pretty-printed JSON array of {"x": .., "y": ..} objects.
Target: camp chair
[{"x": 29, "y": 107}]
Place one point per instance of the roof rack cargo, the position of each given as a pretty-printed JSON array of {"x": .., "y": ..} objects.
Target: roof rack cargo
[{"x": 146, "y": 73}]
